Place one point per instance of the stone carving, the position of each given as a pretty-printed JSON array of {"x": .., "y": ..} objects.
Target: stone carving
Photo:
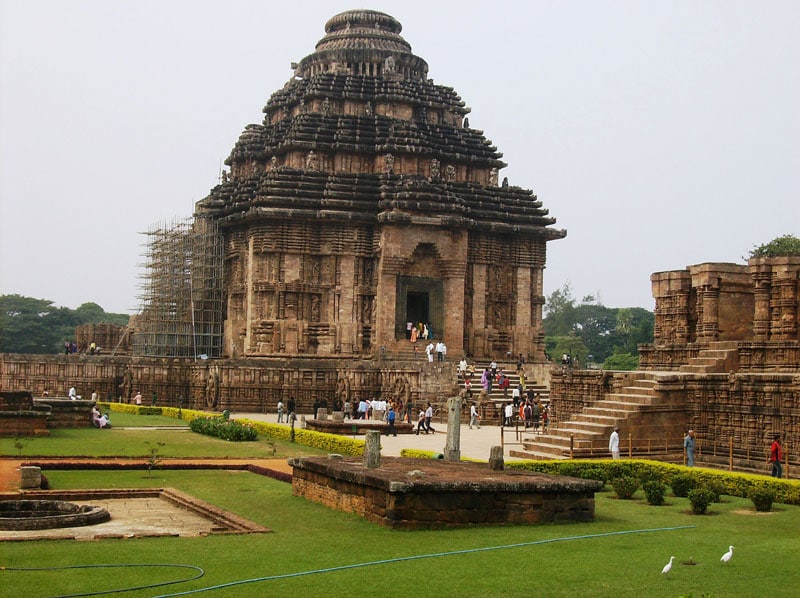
[
  {"x": 273, "y": 163},
  {"x": 326, "y": 106},
  {"x": 450, "y": 173},
  {"x": 212, "y": 388},
  {"x": 435, "y": 170},
  {"x": 315, "y": 310},
  {"x": 388, "y": 65},
  {"x": 388, "y": 164},
  {"x": 466, "y": 123},
  {"x": 311, "y": 161},
  {"x": 505, "y": 182},
  {"x": 368, "y": 109},
  {"x": 493, "y": 177},
  {"x": 224, "y": 175}
]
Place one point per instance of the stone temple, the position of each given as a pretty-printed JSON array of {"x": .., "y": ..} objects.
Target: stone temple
[{"x": 363, "y": 201}]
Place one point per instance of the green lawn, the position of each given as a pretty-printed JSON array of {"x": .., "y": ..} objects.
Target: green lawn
[
  {"x": 116, "y": 442},
  {"x": 603, "y": 558},
  {"x": 310, "y": 537}
]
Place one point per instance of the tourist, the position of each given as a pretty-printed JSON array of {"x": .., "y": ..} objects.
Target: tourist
[
  {"x": 509, "y": 414},
  {"x": 493, "y": 367},
  {"x": 73, "y": 394},
  {"x": 440, "y": 350},
  {"x": 428, "y": 418},
  {"x": 520, "y": 361},
  {"x": 98, "y": 419},
  {"x": 95, "y": 395},
  {"x": 426, "y": 333},
  {"x": 363, "y": 408},
  {"x": 409, "y": 326},
  {"x": 421, "y": 422},
  {"x": 516, "y": 396},
  {"x": 414, "y": 335},
  {"x": 503, "y": 382},
  {"x": 316, "y": 407},
  {"x": 613, "y": 444},
  {"x": 346, "y": 409},
  {"x": 290, "y": 410},
  {"x": 154, "y": 399},
  {"x": 462, "y": 368},
  {"x": 390, "y": 417},
  {"x": 429, "y": 352},
  {"x": 468, "y": 388},
  {"x": 536, "y": 416},
  {"x": 473, "y": 416},
  {"x": 409, "y": 411},
  {"x": 280, "y": 411},
  {"x": 138, "y": 398},
  {"x": 545, "y": 417},
  {"x": 775, "y": 457},
  {"x": 688, "y": 448},
  {"x": 527, "y": 414}
]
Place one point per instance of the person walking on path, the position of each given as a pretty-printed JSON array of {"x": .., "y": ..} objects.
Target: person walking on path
[
  {"x": 428, "y": 418},
  {"x": 613, "y": 444},
  {"x": 688, "y": 448},
  {"x": 776, "y": 457},
  {"x": 473, "y": 416},
  {"x": 421, "y": 423},
  {"x": 290, "y": 407}
]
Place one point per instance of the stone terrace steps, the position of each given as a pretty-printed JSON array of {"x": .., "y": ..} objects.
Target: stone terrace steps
[
  {"x": 589, "y": 430},
  {"x": 718, "y": 357}
]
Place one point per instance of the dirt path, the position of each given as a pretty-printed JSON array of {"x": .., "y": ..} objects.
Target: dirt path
[{"x": 10, "y": 478}]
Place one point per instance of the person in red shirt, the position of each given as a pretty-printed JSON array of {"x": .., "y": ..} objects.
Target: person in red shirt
[{"x": 775, "y": 457}]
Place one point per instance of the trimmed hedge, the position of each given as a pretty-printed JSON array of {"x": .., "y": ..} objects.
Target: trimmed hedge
[
  {"x": 225, "y": 429},
  {"x": 734, "y": 484},
  {"x": 625, "y": 486},
  {"x": 654, "y": 491},
  {"x": 700, "y": 498},
  {"x": 330, "y": 443}
]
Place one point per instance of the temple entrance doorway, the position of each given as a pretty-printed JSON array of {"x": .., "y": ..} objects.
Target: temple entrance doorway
[
  {"x": 417, "y": 306},
  {"x": 419, "y": 299}
]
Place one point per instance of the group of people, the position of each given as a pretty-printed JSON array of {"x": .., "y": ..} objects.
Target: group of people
[
  {"x": 72, "y": 348},
  {"x": 99, "y": 419},
  {"x": 439, "y": 349},
  {"x": 421, "y": 330},
  {"x": 530, "y": 412}
]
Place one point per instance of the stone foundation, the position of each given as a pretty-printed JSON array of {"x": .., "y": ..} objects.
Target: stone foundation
[{"x": 416, "y": 493}]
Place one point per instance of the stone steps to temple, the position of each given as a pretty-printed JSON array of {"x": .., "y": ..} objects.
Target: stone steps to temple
[
  {"x": 718, "y": 357},
  {"x": 587, "y": 432}
]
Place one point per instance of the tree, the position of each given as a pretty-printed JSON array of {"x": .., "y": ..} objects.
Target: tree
[
  {"x": 621, "y": 361},
  {"x": 29, "y": 325},
  {"x": 779, "y": 246}
]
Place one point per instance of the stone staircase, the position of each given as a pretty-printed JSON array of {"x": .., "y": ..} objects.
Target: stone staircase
[
  {"x": 588, "y": 431},
  {"x": 719, "y": 357}
]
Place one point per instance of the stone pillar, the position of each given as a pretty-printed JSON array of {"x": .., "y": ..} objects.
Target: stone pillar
[
  {"x": 452, "y": 450},
  {"x": 496, "y": 461},
  {"x": 30, "y": 478},
  {"x": 372, "y": 449}
]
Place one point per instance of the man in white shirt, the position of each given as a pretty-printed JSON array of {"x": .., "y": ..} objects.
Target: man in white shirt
[
  {"x": 429, "y": 352},
  {"x": 473, "y": 416},
  {"x": 613, "y": 444},
  {"x": 509, "y": 414}
]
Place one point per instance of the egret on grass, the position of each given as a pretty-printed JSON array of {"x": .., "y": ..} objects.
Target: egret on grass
[
  {"x": 668, "y": 566},
  {"x": 727, "y": 556}
]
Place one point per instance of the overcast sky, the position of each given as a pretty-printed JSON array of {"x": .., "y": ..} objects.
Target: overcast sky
[{"x": 659, "y": 134}]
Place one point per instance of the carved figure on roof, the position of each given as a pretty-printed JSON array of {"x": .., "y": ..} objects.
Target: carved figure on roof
[
  {"x": 311, "y": 161},
  {"x": 450, "y": 173},
  {"x": 368, "y": 109},
  {"x": 224, "y": 175},
  {"x": 388, "y": 64},
  {"x": 436, "y": 172},
  {"x": 466, "y": 123},
  {"x": 493, "y": 177},
  {"x": 326, "y": 106},
  {"x": 388, "y": 164},
  {"x": 273, "y": 163},
  {"x": 505, "y": 182}
]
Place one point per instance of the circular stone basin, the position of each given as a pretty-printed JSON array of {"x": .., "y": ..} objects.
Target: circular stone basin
[{"x": 21, "y": 515}]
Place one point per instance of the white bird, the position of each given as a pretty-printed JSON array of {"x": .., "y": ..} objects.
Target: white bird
[
  {"x": 668, "y": 566},
  {"x": 727, "y": 556}
]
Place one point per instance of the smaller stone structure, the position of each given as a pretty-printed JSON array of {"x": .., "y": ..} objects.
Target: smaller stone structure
[
  {"x": 416, "y": 493},
  {"x": 19, "y": 416}
]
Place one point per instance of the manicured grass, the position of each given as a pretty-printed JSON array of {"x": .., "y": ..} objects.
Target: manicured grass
[
  {"x": 116, "y": 442},
  {"x": 120, "y": 419},
  {"x": 308, "y": 537}
]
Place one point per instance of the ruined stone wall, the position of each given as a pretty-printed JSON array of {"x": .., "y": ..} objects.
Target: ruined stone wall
[{"x": 238, "y": 385}]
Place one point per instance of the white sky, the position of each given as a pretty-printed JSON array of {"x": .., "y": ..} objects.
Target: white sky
[{"x": 659, "y": 134}]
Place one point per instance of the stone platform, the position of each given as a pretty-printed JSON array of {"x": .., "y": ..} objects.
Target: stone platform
[
  {"x": 356, "y": 426},
  {"x": 408, "y": 493}
]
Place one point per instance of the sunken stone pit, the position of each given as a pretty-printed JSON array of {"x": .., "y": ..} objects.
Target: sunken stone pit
[
  {"x": 48, "y": 514},
  {"x": 408, "y": 493}
]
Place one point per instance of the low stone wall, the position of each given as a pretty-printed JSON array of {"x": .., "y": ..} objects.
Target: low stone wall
[
  {"x": 66, "y": 413},
  {"x": 417, "y": 494}
]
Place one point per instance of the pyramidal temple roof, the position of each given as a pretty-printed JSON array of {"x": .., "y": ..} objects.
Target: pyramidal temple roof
[{"x": 360, "y": 133}]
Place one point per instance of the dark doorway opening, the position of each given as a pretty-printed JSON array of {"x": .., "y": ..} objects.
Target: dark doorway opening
[{"x": 417, "y": 307}]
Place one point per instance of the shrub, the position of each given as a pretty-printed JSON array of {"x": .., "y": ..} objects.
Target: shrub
[
  {"x": 594, "y": 473},
  {"x": 762, "y": 499},
  {"x": 682, "y": 484},
  {"x": 225, "y": 429},
  {"x": 717, "y": 487},
  {"x": 625, "y": 486},
  {"x": 700, "y": 499},
  {"x": 654, "y": 491}
]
